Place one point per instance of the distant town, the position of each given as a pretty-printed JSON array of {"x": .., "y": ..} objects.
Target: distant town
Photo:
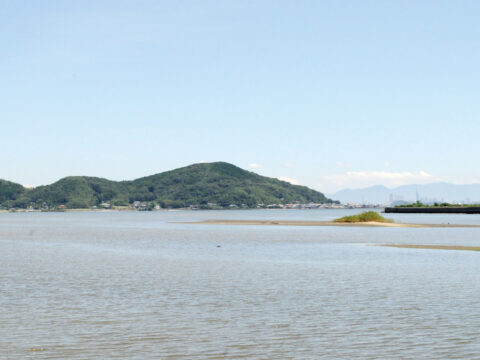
[{"x": 145, "y": 206}]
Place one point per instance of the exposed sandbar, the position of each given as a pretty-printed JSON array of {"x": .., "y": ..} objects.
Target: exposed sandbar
[
  {"x": 329, "y": 223},
  {"x": 433, "y": 247}
]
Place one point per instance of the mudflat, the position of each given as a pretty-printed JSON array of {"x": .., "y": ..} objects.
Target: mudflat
[
  {"x": 328, "y": 223},
  {"x": 433, "y": 247}
]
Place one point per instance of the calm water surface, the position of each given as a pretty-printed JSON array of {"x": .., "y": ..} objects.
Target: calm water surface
[{"x": 143, "y": 286}]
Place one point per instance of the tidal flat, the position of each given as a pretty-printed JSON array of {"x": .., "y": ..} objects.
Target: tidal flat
[
  {"x": 329, "y": 223},
  {"x": 433, "y": 247}
]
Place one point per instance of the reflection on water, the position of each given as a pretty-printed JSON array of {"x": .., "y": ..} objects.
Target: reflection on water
[{"x": 136, "y": 285}]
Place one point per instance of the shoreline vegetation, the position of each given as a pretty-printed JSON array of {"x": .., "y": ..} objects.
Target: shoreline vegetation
[
  {"x": 419, "y": 204},
  {"x": 326, "y": 223}
]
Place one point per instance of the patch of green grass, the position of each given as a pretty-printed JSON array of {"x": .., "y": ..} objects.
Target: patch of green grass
[{"x": 363, "y": 217}]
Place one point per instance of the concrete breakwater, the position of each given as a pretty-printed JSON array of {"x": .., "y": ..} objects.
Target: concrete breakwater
[{"x": 435, "y": 210}]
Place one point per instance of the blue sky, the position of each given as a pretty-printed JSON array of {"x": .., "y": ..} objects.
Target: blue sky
[{"x": 328, "y": 94}]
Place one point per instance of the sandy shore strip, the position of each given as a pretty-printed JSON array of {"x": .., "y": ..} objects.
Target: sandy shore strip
[
  {"x": 433, "y": 247},
  {"x": 327, "y": 223}
]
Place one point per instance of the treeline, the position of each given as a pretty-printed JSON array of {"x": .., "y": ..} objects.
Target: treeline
[
  {"x": 203, "y": 185},
  {"x": 419, "y": 204}
]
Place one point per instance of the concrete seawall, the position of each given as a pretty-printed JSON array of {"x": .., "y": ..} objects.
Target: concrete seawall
[{"x": 435, "y": 210}]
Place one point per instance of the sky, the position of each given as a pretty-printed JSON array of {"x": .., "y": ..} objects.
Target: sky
[{"x": 327, "y": 94}]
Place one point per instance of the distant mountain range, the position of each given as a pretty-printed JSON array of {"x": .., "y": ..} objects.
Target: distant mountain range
[
  {"x": 217, "y": 184},
  {"x": 435, "y": 192}
]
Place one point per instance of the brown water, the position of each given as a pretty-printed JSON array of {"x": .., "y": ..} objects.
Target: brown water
[{"x": 134, "y": 285}]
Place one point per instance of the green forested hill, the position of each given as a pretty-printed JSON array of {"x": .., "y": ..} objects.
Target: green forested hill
[
  {"x": 199, "y": 184},
  {"x": 10, "y": 191}
]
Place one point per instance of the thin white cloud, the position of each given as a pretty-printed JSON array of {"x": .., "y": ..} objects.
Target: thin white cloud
[
  {"x": 341, "y": 164},
  {"x": 289, "y": 180},
  {"x": 361, "y": 179},
  {"x": 463, "y": 182},
  {"x": 255, "y": 166}
]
